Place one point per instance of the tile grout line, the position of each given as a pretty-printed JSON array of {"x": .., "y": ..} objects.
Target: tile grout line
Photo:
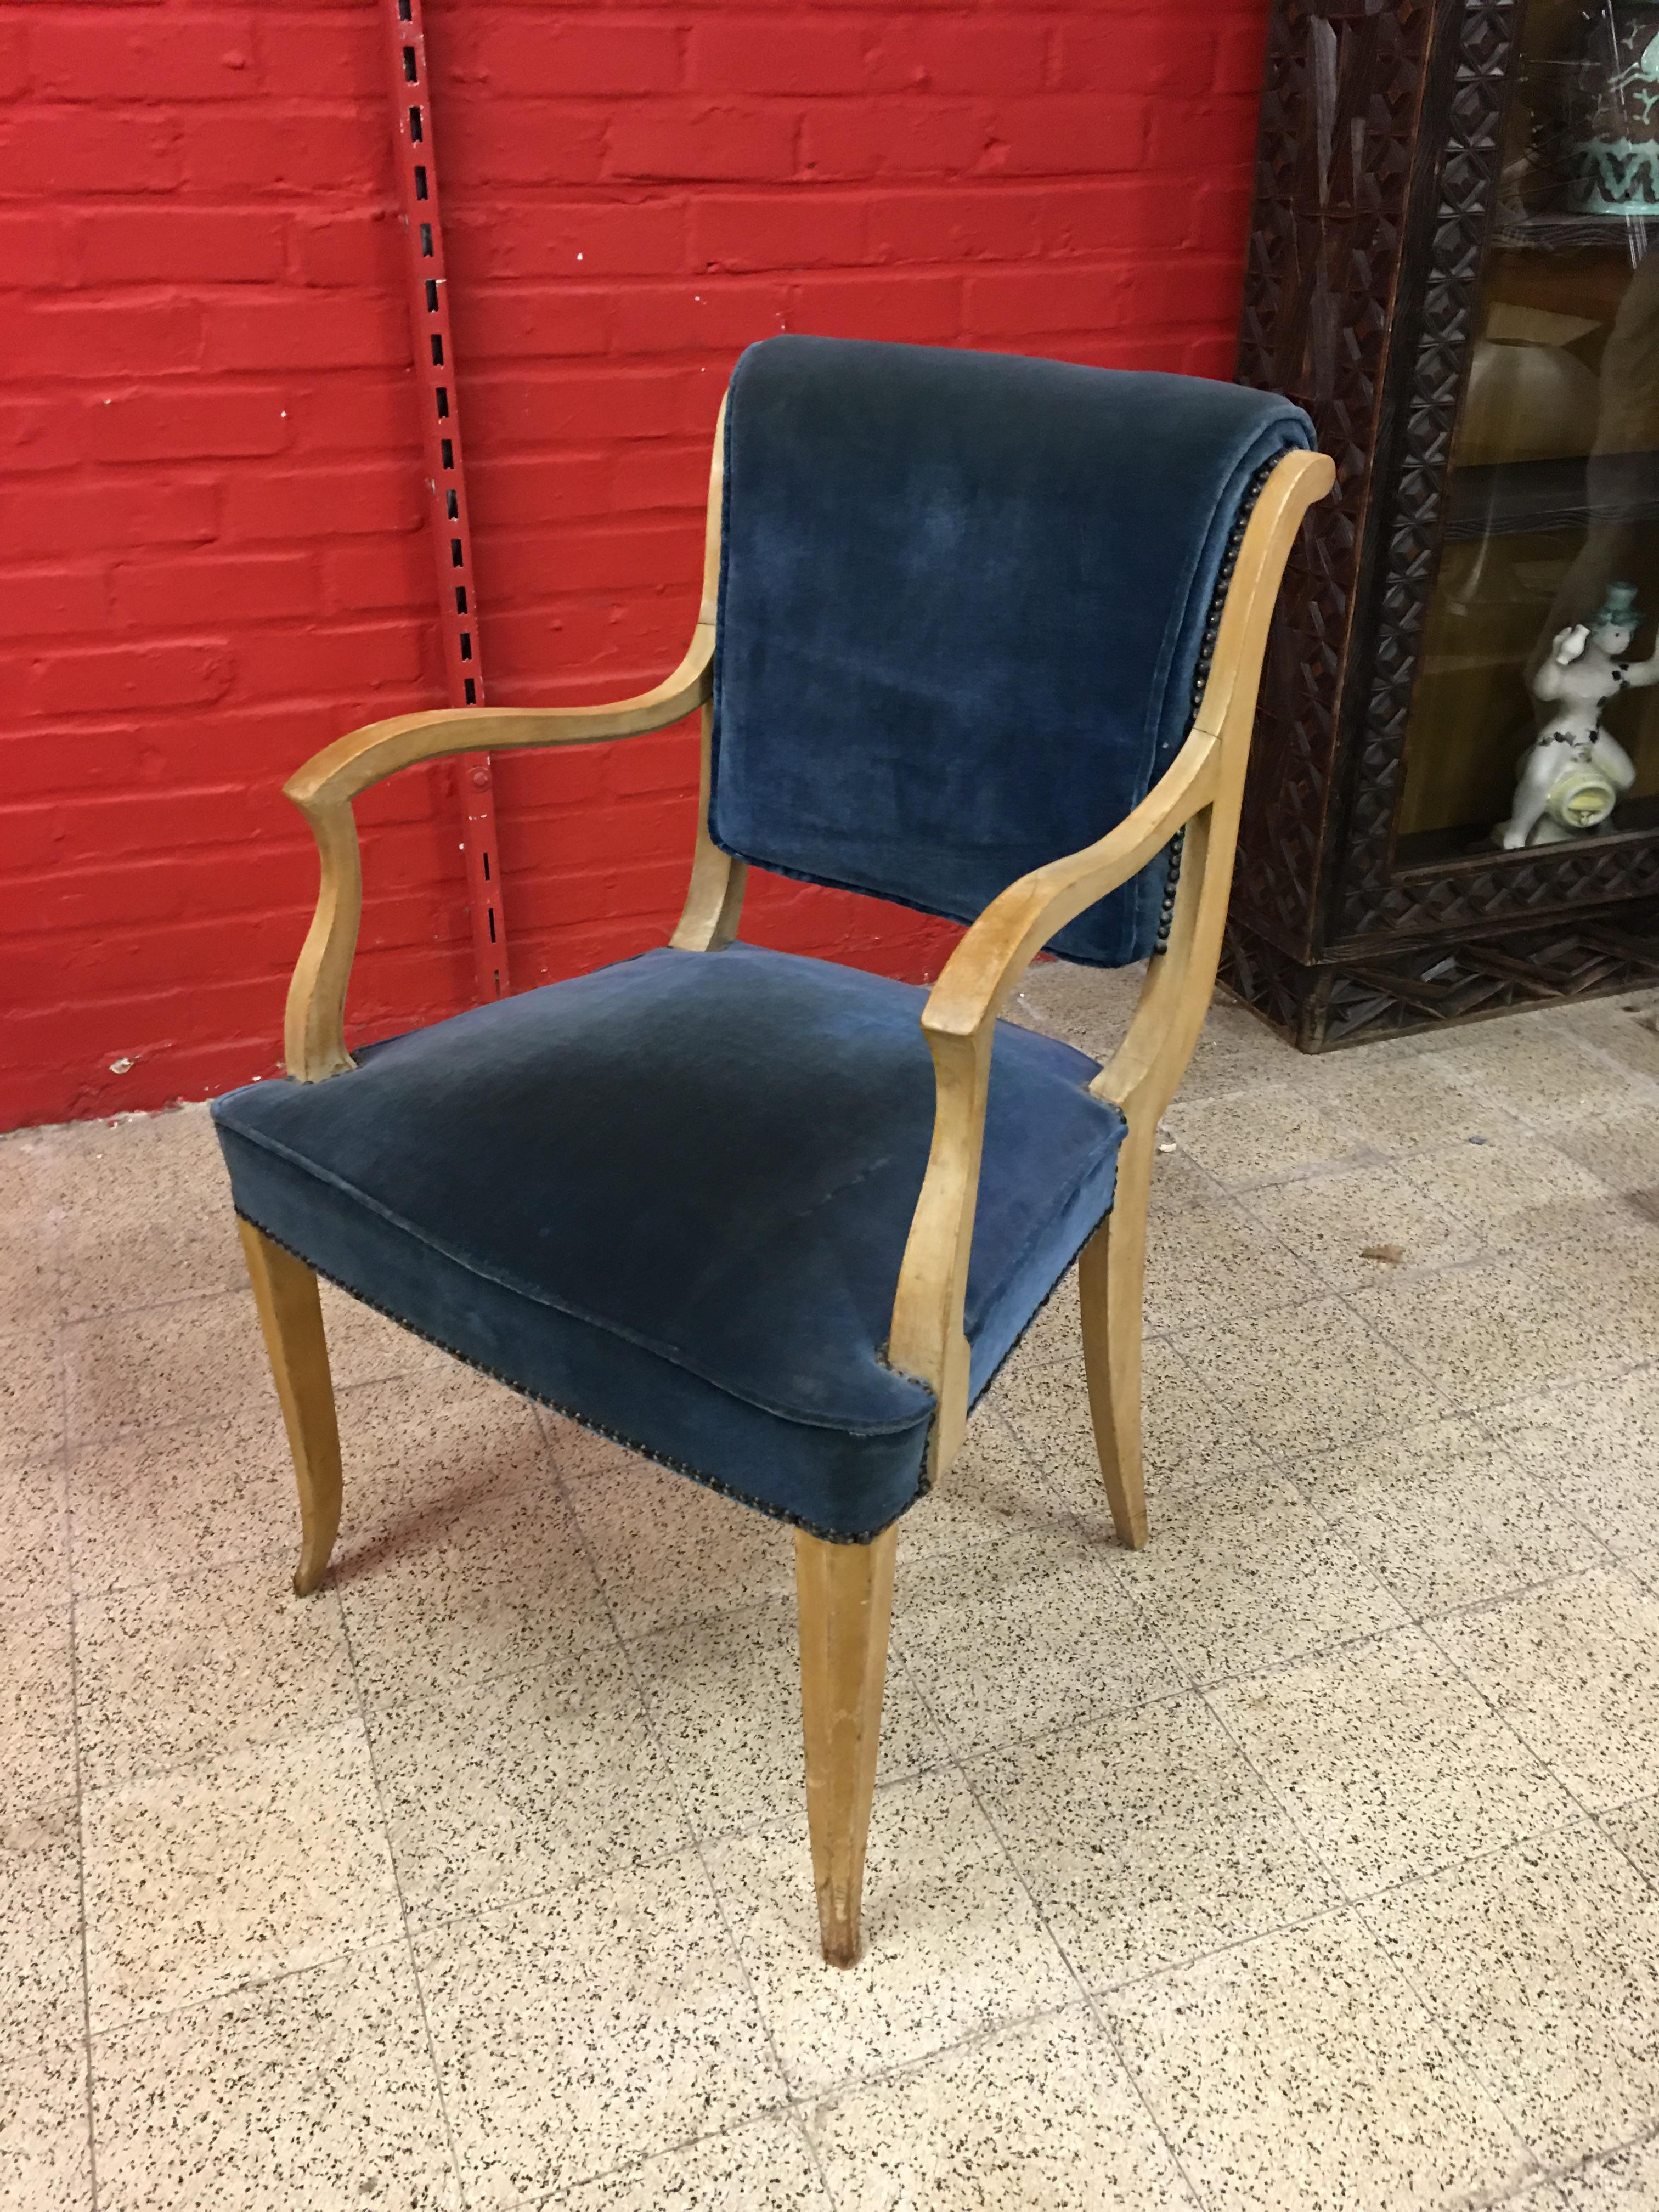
[
  {"x": 1354, "y": 1908},
  {"x": 734, "y": 1950},
  {"x": 1043, "y": 1465},
  {"x": 81, "y": 1876},
  {"x": 1106, "y": 2027},
  {"x": 364, "y": 1720},
  {"x": 1423, "y": 1625},
  {"x": 51, "y": 1244}
]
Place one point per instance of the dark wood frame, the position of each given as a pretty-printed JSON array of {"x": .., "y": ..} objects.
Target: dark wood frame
[{"x": 1382, "y": 132}]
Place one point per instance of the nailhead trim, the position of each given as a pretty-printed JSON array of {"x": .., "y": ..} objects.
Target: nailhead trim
[
  {"x": 582, "y": 1420},
  {"x": 1202, "y": 675}
]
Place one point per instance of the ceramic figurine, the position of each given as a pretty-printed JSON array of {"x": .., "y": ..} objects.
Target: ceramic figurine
[{"x": 1574, "y": 773}]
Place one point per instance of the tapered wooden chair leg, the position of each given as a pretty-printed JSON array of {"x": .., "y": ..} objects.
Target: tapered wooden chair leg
[
  {"x": 1111, "y": 1278},
  {"x": 846, "y": 1594},
  {"x": 291, "y": 1315}
]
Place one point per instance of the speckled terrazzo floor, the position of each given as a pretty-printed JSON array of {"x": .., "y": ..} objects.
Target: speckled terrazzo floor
[{"x": 1309, "y": 1859}]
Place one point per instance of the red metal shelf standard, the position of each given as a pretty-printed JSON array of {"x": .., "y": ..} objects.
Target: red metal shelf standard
[{"x": 435, "y": 372}]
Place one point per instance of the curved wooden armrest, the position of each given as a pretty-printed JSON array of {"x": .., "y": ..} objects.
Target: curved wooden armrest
[
  {"x": 353, "y": 764},
  {"x": 1013, "y": 929},
  {"x": 1202, "y": 789},
  {"x": 313, "y": 1032},
  {"x": 959, "y": 1022}
]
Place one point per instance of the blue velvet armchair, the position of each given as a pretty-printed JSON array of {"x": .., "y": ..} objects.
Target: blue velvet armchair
[{"x": 981, "y": 635}]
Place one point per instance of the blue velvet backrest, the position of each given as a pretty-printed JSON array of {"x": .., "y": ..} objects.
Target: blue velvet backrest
[{"x": 964, "y": 603}]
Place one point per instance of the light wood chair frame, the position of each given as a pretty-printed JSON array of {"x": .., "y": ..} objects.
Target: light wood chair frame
[{"x": 845, "y": 1590}]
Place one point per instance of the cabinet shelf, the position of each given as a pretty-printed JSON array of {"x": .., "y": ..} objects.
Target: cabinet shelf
[{"x": 1508, "y": 498}]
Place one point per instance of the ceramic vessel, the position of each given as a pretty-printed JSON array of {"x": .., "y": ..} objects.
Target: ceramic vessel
[{"x": 1611, "y": 153}]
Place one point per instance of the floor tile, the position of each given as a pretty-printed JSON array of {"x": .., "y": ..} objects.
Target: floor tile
[
  {"x": 41, "y": 2002},
  {"x": 1635, "y": 1830},
  {"x": 1512, "y": 1187},
  {"x": 1008, "y": 1638},
  {"x": 28, "y": 1259},
  {"x": 1038, "y": 2116},
  {"x": 1236, "y": 1051},
  {"x": 191, "y": 1363},
  {"x": 1090, "y": 1008},
  {"x": 588, "y": 2028},
  {"x": 145, "y": 1214},
  {"x": 30, "y": 1394},
  {"x": 1389, "y": 1762},
  {"x": 1444, "y": 1517},
  {"x": 1595, "y": 1450},
  {"x": 1629, "y": 1035},
  {"x": 1397, "y": 1103},
  {"x": 1499, "y": 1328},
  {"x": 1147, "y": 1840},
  {"x": 1312, "y": 1376},
  {"x": 1189, "y": 1439},
  {"x": 421, "y": 1452},
  {"x": 1620, "y": 1147},
  {"x": 723, "y": 1694},
  {"x": 953, "y": 1945},
  {"x": 1355, "y": 1224},
  {"x": 493, "y": 1589},
  {"x": 1247, "y": 1575},
  {"x": 1300, "y": 2074},
  {"x": 198, "y": 1665},
  {"x": 366, "y": 1346},
  {"x": 500, "y": 1788},
  {"x": 1188, "y": 1435},
  {"x": 996, "y": 1490},
  {"x": 1542, "y": 1962},
  {"x": 667, "y": 1550},
  {"x": 315, "y": 2091},
  {"x": 179, "y": 1500},
  {"x": 764, "y": 2168},
  {"x": 1624, "y": 2181},
  {"x": 1262, "y": 1135},
  {"x": 34, "y": 1531},
  {"x": 1610, "y": 1273},
  {"x": 1208, "y": 1260},
  {"x": 45, "y": 2163},
  {"x": 37, "y": 1742},
  {"x": 1574, "y": 1669},
  {"x": 1540, "y": 1071},
  {"x": 261, "y": 1863}
]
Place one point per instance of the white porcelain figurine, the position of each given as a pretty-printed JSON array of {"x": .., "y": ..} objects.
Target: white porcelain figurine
[{"x": 1573, "y": 774}]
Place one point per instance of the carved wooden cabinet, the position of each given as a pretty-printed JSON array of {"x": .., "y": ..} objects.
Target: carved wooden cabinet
[{"x": 1475, "y": 328}]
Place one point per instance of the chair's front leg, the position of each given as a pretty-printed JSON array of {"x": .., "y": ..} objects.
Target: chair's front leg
[
  {"x": 1111, "y": 1274},
  {"x": 846, "y": 1594},
  {"x": 291, "y": 1316}
]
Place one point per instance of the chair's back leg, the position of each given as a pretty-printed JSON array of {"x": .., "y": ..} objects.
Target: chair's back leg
[
  {"x": 291, "y": 1316},
  {"x": 846, "y": 1594},
  {"x": 1110, "y": 1277}
]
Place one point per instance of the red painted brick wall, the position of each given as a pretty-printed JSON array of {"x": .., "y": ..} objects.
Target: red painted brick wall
[{"x": 211, "y": 554}]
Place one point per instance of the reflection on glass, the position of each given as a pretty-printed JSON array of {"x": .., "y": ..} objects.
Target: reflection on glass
[{"x": 1554, "y": 513}]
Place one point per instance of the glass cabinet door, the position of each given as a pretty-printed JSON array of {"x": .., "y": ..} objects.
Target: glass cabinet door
[{"x": 1535, "y": 715}]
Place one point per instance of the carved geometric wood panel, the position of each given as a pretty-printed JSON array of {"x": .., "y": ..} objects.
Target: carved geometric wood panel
[
  {"x": 1339, "y": 115},
  {"x": 1425, "y": 987},
  {"x": 1381, "y": 137}
]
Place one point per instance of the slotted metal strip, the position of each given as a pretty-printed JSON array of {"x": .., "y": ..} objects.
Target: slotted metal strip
[{"x": 452, "y": 540}]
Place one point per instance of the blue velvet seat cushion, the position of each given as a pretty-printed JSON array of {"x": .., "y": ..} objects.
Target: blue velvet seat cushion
[
  {"x": 965, "y": 601},
  {"x": 671, "y": 1198}
]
